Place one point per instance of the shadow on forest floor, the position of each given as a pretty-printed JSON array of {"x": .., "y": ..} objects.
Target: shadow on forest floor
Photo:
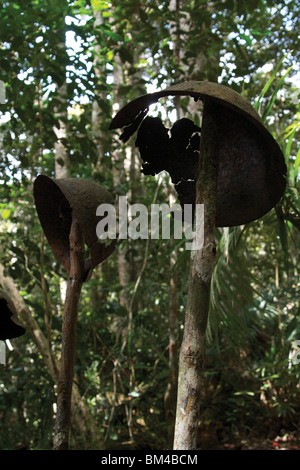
[
  {"x": 210, "y": 439},
  {"x": 214, "y": 437}
]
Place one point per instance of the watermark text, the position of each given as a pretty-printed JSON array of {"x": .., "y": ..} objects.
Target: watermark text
[
  {"x": 2, "y": 352},
  {"x": 2, "y": 92},
  {"x": 294, "y": 355},
  {"x": 136, "y": 222}
]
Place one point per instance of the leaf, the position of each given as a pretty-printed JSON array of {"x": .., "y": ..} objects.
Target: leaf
[
  {"x": 283, "y": 236},
  {"x": 287, "y": 153},
  {"x": 126, "y": 55},
  {"x": 5, "y": 214},
  {"x": 268, "y": 84},
  {"x": 280, "y": 83},
  {"x": 247, "y": 39},
  {"x": 114, "y": 36},
  {"x": 296, "y": 165},
  {"x": 98, "y": 5}
]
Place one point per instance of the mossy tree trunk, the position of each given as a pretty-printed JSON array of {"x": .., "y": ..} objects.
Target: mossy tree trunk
[{"x": 192, "y": 353}]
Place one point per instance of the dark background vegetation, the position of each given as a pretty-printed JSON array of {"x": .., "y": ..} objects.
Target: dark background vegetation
[{"x": 68, "y": 66}]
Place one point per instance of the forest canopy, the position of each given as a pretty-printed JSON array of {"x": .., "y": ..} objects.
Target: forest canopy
[{"x": 67, "y": 67}]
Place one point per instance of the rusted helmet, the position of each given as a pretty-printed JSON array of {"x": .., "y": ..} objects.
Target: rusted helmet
[
  {"x": 251, "y": 174},
  {"x": 58, "y": 201}
]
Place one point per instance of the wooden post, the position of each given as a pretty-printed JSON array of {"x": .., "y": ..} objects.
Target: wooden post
[
  {"x": 192, "y": 353},
  {"x": 76, "y": 278}
]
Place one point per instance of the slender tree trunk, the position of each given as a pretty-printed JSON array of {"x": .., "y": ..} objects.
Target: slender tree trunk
[
  {"x": 29, "y": 323},
  {"x": 61, "y": 155},
  {"x": 63, "y": 417},
  {"x": 122, "y": 171},
  {"x": 192, "y": 353},
  {"x": 82, "y": 420},
  {"x": 171, "y": 391},
  {"x": 100, "y": 72}
]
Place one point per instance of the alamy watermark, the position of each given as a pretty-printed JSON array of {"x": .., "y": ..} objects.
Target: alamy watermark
[
  {"x": 2, "y": 92},
  {"x": 2, "y": 352},
  {"x": 294, "y": 356},
  {"x": 136, "y": 222}
]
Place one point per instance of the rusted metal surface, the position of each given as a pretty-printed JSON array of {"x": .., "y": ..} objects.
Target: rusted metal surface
[
  {"x": 251, "y": 178},
  {"x": 58, "y": 201},
  {"x": 9, "y": 325},
  {"x": 197, "y": 90}
]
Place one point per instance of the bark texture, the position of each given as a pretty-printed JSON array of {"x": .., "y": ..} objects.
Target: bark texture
[
  {"x": 170, "y": 396},
  {"x": 192, "y": 353},
  {"x": 63, "y": 417}
]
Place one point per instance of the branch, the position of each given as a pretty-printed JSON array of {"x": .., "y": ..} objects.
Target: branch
[{"x": 29, "y": 322}]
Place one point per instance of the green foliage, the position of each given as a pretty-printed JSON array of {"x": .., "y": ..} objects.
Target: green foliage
[
  {"x": 122, "y": 360},
  {"x": 25, "y": 391},
  {"x": 255, "y": 310}
]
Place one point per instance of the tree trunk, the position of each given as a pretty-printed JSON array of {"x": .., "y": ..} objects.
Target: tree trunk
[
  {"x": 63, "y": 417},
  {"x": 192, "y": 353},
  {"x": 61, "y": 157},
  {"x": 171, "y": 391},
  {"x": 29, "y": 323},
  {"x": 81, "y": 417},
  {"x": 62, "y": 162}
]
